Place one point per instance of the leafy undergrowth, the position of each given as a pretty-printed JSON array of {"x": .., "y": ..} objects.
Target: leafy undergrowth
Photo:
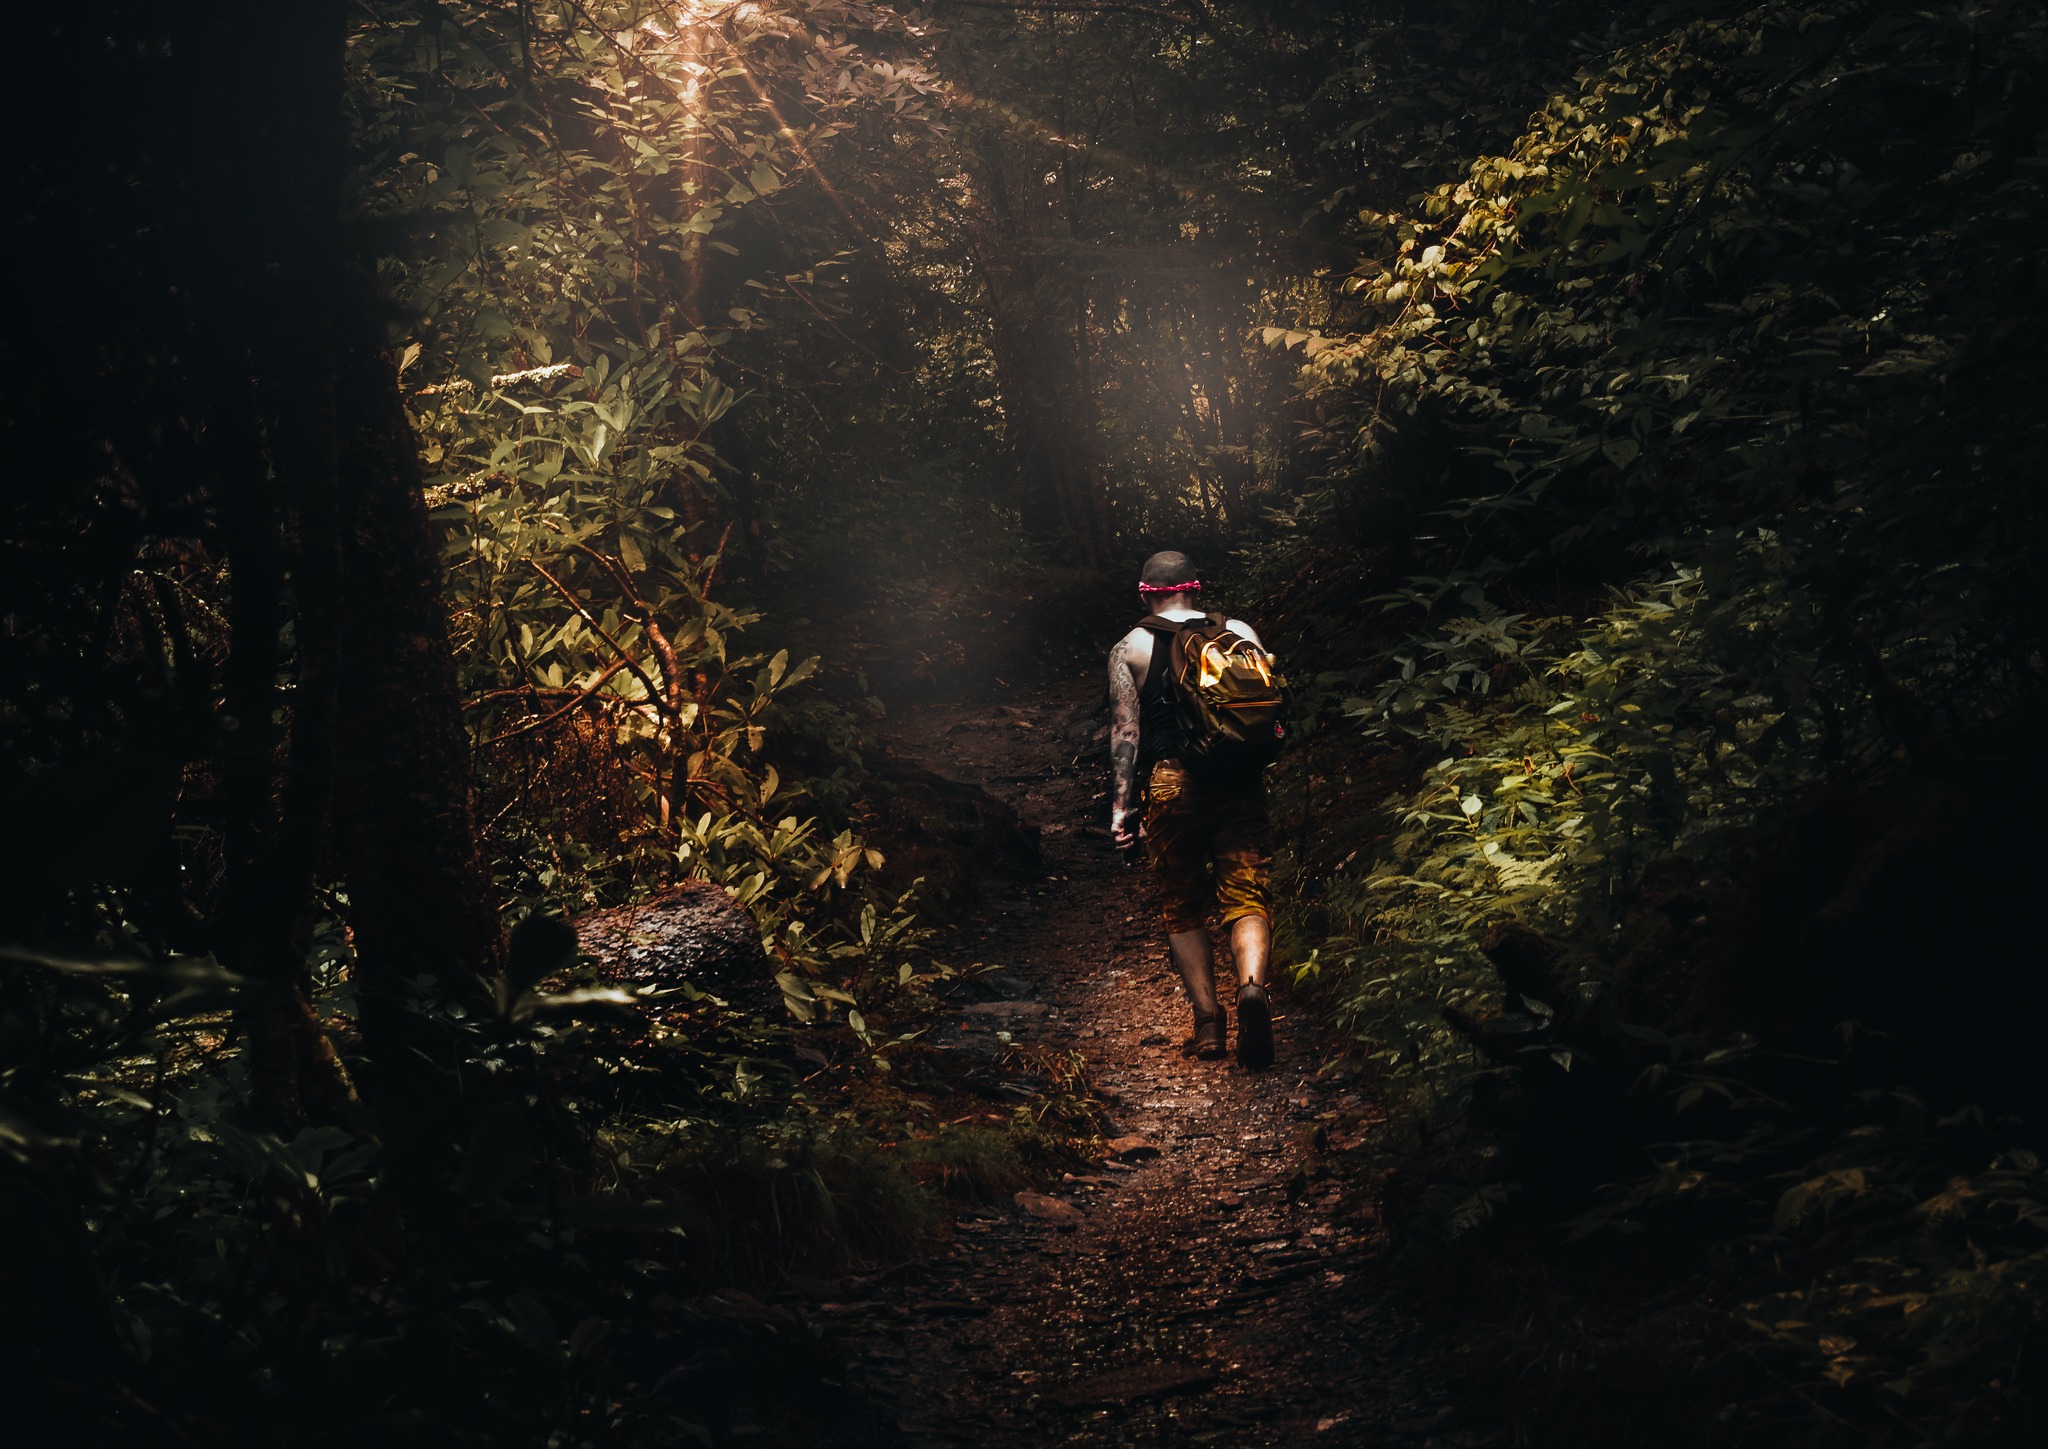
[
  {"x": 1750, "y": 1161},
  {"x": 640, "y": 1180},
  {"x": 1665, "y": 894},
  {"x": 605, "y": 1183}
]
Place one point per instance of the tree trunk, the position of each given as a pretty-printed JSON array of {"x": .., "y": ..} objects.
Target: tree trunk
[
  {"x": 419, "y": 896},
  {"x": 274, "y": 297},
  {"x": 1031, "y": 354}
]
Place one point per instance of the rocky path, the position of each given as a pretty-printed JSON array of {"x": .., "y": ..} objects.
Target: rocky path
[{"x": 1204, "y": 1286}]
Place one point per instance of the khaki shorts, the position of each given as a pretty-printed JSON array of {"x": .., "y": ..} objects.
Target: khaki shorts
[{"x": 1209, "y": 845}]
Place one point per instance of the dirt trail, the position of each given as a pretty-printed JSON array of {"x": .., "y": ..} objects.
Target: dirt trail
[{"x": 1200, "y": 1291}]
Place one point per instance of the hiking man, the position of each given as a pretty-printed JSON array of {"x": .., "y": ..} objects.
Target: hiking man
[{"x": 1205, "y": 827}]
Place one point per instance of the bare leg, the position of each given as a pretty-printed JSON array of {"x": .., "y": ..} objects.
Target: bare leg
[
  {"x": 1197, "y": 970},
  {"x": 1251, "y": 944},
  {"x": 1251, "y": 947}
]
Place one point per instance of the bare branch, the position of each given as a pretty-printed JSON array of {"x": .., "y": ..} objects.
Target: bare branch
[
  {"x": 671, "y": 667},
  {"x": 582, "y": 697},
  {"x": 656, "y": 696}
]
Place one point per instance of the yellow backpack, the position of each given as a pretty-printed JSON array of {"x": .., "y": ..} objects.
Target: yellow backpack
[{"x": 1230, "y": 696}]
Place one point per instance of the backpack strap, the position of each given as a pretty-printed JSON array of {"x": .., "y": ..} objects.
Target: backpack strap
[
  {"x": 1165, "y": 632},
  {"x": 1172, "y": 627}
]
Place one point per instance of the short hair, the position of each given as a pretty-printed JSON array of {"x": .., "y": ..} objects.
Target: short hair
[{"x": 1169, "y": 567}]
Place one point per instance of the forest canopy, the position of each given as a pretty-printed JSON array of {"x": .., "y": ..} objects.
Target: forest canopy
[{"x": 482, "y": 463}]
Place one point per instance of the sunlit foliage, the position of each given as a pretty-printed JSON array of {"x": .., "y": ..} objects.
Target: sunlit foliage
[{"x": 1699, "y": 447}]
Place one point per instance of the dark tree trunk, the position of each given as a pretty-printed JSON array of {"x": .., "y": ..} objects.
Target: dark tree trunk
[
  {"x": 279, "y": 469},
  {"x": 419, "y": 896},
  {"x": 1036, "y": 358}
]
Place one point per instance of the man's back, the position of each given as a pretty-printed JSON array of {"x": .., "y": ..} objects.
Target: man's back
[{"x": 1134, "y": 651}]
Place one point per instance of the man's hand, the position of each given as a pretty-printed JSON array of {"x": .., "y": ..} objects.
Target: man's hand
[{"x": 1120, "y": 829}]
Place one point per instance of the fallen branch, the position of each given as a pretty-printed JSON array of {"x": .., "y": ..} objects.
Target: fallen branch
[{"x": 536, "y": 374}]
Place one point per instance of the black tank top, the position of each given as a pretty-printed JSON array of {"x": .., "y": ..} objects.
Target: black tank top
[{"x": 1158, "y": 713}]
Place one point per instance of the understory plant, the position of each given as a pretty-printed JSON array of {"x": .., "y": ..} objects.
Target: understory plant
[{"x": 1712, "y": 613}]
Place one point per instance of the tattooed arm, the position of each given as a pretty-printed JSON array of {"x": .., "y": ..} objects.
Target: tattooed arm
[{"x": 1127, "y": 661}]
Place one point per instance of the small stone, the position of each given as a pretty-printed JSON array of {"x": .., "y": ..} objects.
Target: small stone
[
  {"x": 1057, "y": 1211},
  {"x": 1155, "y": 1040},
  {"x": 1131, "y": 1148},
  {"x": 1229, "y": 1201}
]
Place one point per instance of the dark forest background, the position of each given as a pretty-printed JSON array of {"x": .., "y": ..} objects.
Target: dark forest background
[{"x": 477, "y": 461}]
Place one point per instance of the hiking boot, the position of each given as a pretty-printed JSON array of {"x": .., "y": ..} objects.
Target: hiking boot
[
  {"x": 1254, "y": 1027},
  {"x": 1207, "y": 1042}
]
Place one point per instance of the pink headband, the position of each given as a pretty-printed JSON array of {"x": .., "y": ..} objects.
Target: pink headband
[{"x": 1192, "y": 586}]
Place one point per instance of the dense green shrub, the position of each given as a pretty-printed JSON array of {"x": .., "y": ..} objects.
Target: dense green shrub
[{"x": 1696, "y": 408}]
